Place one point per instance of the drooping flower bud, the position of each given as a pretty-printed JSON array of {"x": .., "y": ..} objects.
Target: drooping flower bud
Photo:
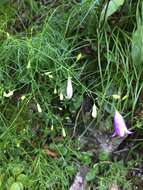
[
  {"x": 55, "y": 91},
  {"x": 63, "y": 132},
  {"x": 61, "y": 96},
  {"x": 94, "y": 111},
  {"x": 78, "y": 57},
  {"x": 116, "y": 96},
  {"x": 52, "y": 127},
  {"x": 120, "y": 126},
  {"x": 23, "y": 97},
  {"x": 39, "y": 108},
  {"x": 125, "y": 97},
  {"x": 29, "y": 65},
  {"x": 69, "y": 90}
]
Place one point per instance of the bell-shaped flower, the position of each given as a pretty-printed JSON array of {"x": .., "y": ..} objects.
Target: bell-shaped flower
[
  {"x": 69, "y": 90},
  {"x": 120, "y": 125}
]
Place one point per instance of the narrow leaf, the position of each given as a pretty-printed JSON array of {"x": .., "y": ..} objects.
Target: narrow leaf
[
  {"x": 110, "y": 8},
  {"x": 137, "y": 45}
]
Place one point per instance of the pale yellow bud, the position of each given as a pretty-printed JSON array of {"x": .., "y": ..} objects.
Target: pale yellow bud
[
  {"x": 125, "y": 97},
  {"x": 55, "y": 91},
  {"x": 8, "y": 35},
  {"x": 9, "y": 94},
  {"x": 78, "y": 57},
  {"x": 47, "y": 73},
  {"x": 116, "y": 96},
  {"x": 61, "y": 96},
  {"x": 52, "y": 127},
  {"x": 63, "y": 132},
  {"x": 50, "y": 76},
  {"x": 28, "y": 65},
  {"x": 39, "y": 108},
  {"x": 23, "y": 97}
]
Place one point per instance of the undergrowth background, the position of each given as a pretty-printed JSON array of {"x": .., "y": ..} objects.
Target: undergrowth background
[{"x": 42, "y": 43}]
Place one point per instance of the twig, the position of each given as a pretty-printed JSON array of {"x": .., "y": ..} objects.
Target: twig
[{"x": 76, "y": 119}]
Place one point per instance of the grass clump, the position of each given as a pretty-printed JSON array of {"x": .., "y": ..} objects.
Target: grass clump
[{"x": 41, "y": 45}]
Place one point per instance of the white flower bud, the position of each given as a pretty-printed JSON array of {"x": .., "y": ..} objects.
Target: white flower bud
[
  {"x": 69, "y": 91},
  {"x": 94, "y": 111}
]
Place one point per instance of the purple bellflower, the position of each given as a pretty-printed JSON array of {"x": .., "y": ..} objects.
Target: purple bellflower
[{"x": 120, "y": 126}]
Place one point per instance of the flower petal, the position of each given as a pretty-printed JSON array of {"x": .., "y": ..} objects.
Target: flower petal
[
  {"x": 114, "y": 134},
  {"x": 128, "y": 132},
  {"x": 119, "y": 130}
]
